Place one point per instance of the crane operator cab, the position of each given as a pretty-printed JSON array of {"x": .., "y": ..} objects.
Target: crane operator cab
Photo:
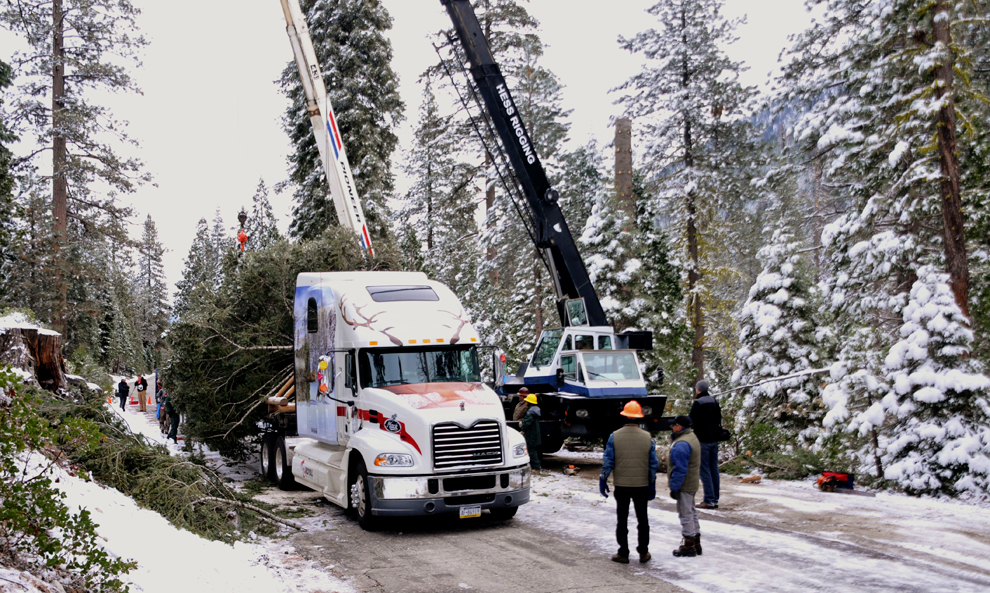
[{"x": 590, "y": 361}]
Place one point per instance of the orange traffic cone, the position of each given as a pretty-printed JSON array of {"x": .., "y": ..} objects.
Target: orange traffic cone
[
  {"x": 149, "y": 400},
  {"x": 110, "y": 400}
]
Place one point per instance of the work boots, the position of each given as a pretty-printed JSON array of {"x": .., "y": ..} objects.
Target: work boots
[
  {"x": 697, "y": 544},
  {"x": 687, "y": 549}
]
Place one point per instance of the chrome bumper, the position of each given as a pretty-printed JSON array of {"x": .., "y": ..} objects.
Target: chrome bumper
[{"x": 449, "y": 485}]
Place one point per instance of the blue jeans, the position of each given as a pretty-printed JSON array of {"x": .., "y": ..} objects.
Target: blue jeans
[{"x": 709, "y": 471}]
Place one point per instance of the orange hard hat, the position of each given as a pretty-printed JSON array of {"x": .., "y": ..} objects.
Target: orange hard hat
[{"x": 632, "y": 410}]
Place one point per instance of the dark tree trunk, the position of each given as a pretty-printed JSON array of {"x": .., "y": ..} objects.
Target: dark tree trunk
[
  {"x": 537, "y": 294},
  {"x": 955, "y": 237},
  {"x": 60, "y": 193}
]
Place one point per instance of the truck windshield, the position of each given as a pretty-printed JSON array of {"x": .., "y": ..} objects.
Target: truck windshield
[
  {"x": 381, "y": 367},
  {"x": 611, "y": 365},
  {"x": 547, "y": 347}
]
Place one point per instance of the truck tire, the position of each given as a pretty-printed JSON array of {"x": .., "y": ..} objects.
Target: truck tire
[
  {"x": 360, "y": 498},
  {"x": 504, "y": 513},
  {"x": 265, "y": 458},
  {"x": 281, "y": 467}
]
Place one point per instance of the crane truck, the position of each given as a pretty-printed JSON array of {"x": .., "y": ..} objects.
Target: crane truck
[
  {"x": 584, "y": 371},
  {"x": 385, "y": 413}
]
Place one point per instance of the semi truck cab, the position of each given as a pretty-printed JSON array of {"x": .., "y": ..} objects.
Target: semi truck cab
[{"x": 389, "y": 398}]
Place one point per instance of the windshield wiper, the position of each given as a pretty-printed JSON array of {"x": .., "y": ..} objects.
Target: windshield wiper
[{"x": 602, "y": 376}]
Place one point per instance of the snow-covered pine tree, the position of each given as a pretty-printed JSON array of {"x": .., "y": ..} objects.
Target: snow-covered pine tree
[
  {"x": 76, "y": 50},
  {"x": 440, "y": 203},
  {"x": 882, "y": 103},
  {"x": 940, "y": 442},
  {"x": 350, "y": 40},
  {"x": 8, "y": 224},
  {"x": 201, "y": 277},
  {"x": 261, "y": 226},
  {"x": 690, "y": 106},
  {"x": 778, "y": 338},
  {"x": 151, "y": 289}
]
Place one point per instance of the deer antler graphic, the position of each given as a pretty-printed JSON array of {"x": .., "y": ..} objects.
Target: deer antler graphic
[
  {"x": 368, "y": 321},
  {"x": 463, "y": 321}
]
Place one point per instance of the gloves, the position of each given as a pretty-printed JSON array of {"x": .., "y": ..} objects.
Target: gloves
[
  {"x": 652, "y": 491},
  {"x": 675, "y": 494},
  {"x": 603, "y": 486}
]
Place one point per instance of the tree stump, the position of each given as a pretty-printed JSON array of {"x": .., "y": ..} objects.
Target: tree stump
[{"x": 35, "y": 350}]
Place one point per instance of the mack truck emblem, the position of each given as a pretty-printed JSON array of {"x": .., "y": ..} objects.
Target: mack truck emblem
[{"x": 393, "y": 425}]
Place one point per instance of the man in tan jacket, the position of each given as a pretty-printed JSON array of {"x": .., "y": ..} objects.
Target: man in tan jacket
[{"x": 631, "y": 455}]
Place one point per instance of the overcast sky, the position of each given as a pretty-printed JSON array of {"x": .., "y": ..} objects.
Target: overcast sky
[{"x": 208, "y": 118}]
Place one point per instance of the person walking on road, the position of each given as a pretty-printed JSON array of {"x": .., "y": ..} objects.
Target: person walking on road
[
  {"x": 632, "y": 457},
  {"x": 173, "y": 416},
  {"x": 531, "y": 430},
  {"x": 706, "y": 416},
  {"x": 683, "y": 465},
  {"x": 141, "y": 384},
  {"x": 122, "y": 392},
  {"x": 519, "y": 412}
]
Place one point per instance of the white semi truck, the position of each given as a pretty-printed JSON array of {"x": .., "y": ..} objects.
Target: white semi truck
[{"x": 390, "y": 416}]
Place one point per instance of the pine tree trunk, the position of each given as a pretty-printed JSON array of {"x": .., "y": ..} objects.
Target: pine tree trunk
[
  {"x": 59, "y": 183},
  {"x": 623, "y": 166},
  {"x": 952, "y": 219},
  {"x": 37, "y": 352}
]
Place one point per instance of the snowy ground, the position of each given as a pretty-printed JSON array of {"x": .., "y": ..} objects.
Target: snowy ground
[
  {"x": 172, "y": 560},
  {"x": 773, "y": 536},
  {"x": 786, "y": 536}
]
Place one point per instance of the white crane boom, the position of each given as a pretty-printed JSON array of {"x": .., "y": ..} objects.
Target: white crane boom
[{"x": 338, "y": 170}]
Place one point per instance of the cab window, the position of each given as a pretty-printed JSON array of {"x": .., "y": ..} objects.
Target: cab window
[
  {"x": 584, "y": 342},
  {"x": 604, "y": 342},
  {"x": 567, "y": 344},
  {"x": 568, "y": 364},
  {"x": 312, "y": 317}
]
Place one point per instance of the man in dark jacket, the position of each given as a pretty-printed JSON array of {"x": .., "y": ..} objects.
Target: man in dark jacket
[
  {"x": 122, "y": 392},
  {"x": 531, "y": 430},
  {"x": 630, "y": 453},
  {"x": 683, "y": 463},
  {"x": 173, "y": 416},
  {"x": 706, "y": 416},
  {"x": 519, "y": 412}
]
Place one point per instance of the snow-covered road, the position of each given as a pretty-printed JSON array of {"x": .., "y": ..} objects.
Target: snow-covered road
[{"x": 786, "y": 536}]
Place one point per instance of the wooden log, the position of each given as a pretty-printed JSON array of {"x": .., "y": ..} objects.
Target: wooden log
[{"x": 288, "y": 383}]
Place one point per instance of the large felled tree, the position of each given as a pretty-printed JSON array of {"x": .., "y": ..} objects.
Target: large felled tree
[
  {"x": 349, "y": 37},
  {"x": 689, "y": 104},
  {"x": 77, "y": 49}
]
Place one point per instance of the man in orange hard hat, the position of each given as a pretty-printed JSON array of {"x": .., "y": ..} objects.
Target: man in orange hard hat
[{"x": 631, "y": 456}]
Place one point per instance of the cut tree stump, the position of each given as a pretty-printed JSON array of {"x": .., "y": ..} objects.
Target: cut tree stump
[{"x": 37, "y": 351}]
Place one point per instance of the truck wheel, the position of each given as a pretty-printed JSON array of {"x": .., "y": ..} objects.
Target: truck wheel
[
  {"x": 280, "y": 461},
  {"x": 504, "y": 513},
  {"x": 360, "y": 498},
  {"x": 265, "y": 458}
]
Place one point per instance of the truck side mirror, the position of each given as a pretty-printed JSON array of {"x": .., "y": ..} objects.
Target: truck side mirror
[{"x": 560, "y": 377}]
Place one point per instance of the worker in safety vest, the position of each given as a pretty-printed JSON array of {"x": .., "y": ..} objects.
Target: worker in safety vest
[
  {"x": 683, "y": 469},
  {"x": 531, "y": 430},
  {"x": 631, "y": 456}
]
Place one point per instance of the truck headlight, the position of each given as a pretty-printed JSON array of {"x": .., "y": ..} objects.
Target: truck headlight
[
  {"x": 581, "y": 413},
  {"x": 394, "y": 460},
  {"x": 520, "y": 451},
  {"x": 647, "y": 410}
]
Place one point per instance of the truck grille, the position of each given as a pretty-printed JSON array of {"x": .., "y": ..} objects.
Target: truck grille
[{"x": 479, "y": 445}]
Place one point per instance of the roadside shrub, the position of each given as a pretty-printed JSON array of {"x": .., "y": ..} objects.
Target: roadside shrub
[{"x": 38, "y": 532}]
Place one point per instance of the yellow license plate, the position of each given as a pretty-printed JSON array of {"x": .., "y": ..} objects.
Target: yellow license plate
[{"x": 468, "y": 512}]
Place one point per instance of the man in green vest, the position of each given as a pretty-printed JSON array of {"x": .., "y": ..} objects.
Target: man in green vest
[
  {"x": 630, "y": 454},
  {"x": 531, "y": 430},
  {"x": 683, "y": 471}
]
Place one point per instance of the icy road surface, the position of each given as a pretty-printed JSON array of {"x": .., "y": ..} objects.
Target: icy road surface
[{"x": 773, "y": 536}]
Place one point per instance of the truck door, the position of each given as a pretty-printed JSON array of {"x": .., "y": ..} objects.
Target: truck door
[
  {"x": 316, "y": 413},
  {"x": 346, "y": 391}
]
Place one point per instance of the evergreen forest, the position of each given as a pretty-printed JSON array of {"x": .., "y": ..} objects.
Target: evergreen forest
[{"x": 818, "y": 250}]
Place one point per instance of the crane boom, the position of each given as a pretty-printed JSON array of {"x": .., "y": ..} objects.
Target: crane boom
[
  {"x": 567, "y": 269},
  {"x": 328, "y": 140}
]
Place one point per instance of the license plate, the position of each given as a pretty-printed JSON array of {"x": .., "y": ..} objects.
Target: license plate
[{"x": 468, "y": 512}]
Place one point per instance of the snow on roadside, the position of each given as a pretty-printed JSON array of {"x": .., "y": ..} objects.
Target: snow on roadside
[{"x": 171, "y": 560}]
